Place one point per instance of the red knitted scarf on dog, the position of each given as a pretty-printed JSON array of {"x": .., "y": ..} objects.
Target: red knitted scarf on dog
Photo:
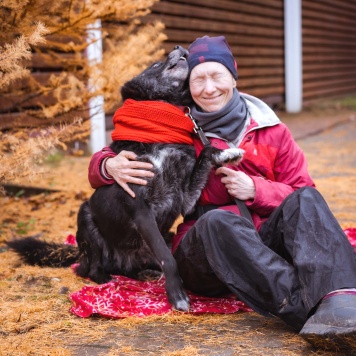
[{"x": 150, "y": 122}]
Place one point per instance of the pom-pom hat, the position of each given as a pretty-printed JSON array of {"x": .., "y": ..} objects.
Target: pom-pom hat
[{"x": 211, "y": 49}]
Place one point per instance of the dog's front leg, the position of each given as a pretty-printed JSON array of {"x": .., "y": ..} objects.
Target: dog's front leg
[
  {"x": 209, "y": 157},
  {"x": 145, "y": 224}
]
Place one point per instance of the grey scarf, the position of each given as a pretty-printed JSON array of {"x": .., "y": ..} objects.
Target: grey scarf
[{"x": 227, "y": 122}]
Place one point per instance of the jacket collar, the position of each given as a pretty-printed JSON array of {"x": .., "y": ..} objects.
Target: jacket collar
[{"x": 260, "y": 111}]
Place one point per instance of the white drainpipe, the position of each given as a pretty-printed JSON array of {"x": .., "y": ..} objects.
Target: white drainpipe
[
  {"x": 293, "y": 55},
  {"x": 94, "y": 53}
]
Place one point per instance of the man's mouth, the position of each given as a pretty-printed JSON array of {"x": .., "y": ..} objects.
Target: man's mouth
[{"x": 212, "y": 97}]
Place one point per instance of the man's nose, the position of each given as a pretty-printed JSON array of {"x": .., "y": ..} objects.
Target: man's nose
[{"x": 209, "y": 86}]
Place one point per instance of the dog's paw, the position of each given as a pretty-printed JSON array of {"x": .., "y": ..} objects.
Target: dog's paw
[
  {"x": 182, "y": 304},
  {"x": 230, "y": 155},
  {"x": 178, "y": 297}
]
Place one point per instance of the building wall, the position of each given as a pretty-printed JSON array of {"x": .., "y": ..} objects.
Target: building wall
[
  {"x": 254, "y": 30},
  {"x": 329, "y": 48}
]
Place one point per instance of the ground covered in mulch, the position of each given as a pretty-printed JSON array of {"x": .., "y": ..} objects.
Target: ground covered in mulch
[{"x": 34, "y": 302}]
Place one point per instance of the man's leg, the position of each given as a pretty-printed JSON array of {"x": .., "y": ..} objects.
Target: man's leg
[
  {"x": 224, "y": 247},
  {"x": 304, "y": 232}
]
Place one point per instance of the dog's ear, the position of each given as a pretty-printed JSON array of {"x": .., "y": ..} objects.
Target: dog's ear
[
  {"x": 185, "y": 98},
  {"x": 140, "y": 88},
  {"x": 152, "y": 85},
  {"x": 133, "y": 90},
  {"x": 125, "y": 92}
]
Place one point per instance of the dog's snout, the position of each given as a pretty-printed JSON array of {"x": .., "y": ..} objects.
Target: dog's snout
[{"x": 183, "y": 52}]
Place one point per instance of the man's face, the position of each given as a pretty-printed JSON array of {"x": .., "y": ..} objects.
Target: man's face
[{"x": 211, "y": 86}]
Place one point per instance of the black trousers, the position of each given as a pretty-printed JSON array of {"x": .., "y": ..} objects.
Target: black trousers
[{"x": 299, "y": 255}]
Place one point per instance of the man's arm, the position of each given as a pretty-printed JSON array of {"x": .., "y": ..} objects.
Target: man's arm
[{"x": 106, "y": 167}]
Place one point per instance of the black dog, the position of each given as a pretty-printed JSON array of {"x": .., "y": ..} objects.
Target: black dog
[{"x": 118, "y": 234}]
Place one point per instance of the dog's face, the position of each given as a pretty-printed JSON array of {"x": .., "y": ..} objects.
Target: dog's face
[{"x": 165, "y": 81}]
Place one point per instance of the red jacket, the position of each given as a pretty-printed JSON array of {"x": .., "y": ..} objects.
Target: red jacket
[{"x": 272, "y": 159}]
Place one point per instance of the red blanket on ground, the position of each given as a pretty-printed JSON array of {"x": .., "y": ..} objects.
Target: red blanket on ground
[{"x": 125, "y": 297}]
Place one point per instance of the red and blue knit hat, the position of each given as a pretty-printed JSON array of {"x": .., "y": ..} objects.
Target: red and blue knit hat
[{"x": 211, "y": 49}]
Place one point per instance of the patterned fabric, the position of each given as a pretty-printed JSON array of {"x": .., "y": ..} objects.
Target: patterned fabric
[
  {"x": 151, "y": 122},
  {"x": 351, "y": 235},
  {"x": 124, "y": 297}
]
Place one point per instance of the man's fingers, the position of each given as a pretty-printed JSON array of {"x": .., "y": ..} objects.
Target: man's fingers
[
  {"x": 128, "y": 154},
  {"x": 223, "y": 170},
  {"x": 135, "y": 166},
  {"x": 124, "y": 184},
  {"x": 127, "y": 189},
  {"x": 125, "y": 169},
  {"x": 133, "y": 163},
  {"x": 139, "y": 173},
  {"x": 135, "y": 180}
]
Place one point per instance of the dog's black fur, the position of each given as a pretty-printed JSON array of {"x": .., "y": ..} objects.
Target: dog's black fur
[{"x": 118, "y": 234}]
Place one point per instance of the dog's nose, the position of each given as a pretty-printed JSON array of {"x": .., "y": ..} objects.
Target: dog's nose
[{"x": 182, "y": 50}]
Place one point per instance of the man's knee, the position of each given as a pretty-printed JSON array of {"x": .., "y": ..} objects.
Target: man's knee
[
  {"x": 222, "y": 226},
  {"x": 216, "y": 217},
  {"x": 214, "y": 214},
  {"x": 308, "y": 194}
]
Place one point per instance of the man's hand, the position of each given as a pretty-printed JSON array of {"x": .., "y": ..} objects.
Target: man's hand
[
  {"x": 238, "y": 184},
  {"x": 125, "y": 169}
]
